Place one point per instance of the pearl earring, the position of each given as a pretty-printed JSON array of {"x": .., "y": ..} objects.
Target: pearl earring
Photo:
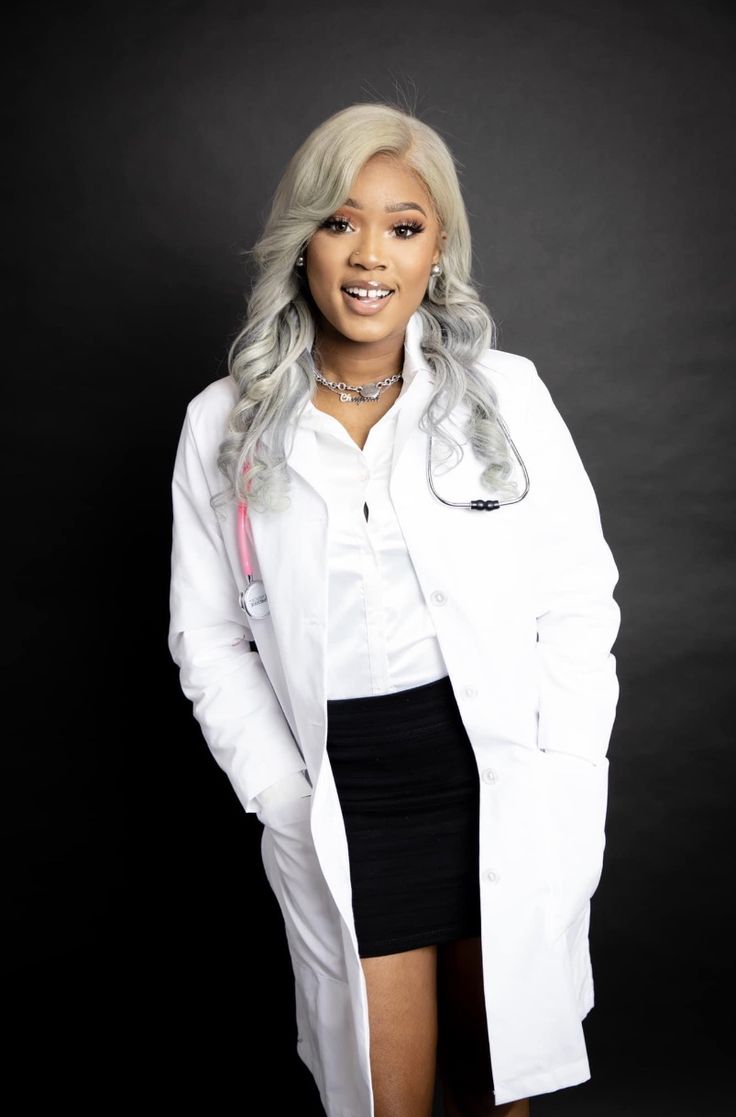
[
  {"x": 436, "y": 269},
  {"x": 299, "y": 261}
]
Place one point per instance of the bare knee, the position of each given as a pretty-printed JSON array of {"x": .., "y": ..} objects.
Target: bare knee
[{"x": 402, "y": 1010}]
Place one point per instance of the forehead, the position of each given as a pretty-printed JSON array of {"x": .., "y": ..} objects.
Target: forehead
[{"x": 382, "y": 179}]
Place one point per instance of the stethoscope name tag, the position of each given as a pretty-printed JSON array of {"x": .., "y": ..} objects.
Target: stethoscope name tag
[{"x": 253, "y": 600}]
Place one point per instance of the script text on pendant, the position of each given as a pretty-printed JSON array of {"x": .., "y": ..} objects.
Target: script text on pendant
[{"x": 253, "y": 600}]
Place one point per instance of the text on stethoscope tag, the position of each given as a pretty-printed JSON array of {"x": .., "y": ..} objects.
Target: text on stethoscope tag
[{"x": 253, "y": 600}]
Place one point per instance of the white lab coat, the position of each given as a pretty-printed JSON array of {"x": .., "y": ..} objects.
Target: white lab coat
[{"x": 522, "y": 603}]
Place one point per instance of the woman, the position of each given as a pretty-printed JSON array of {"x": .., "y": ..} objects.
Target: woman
[{"x": 414, "y": 696}]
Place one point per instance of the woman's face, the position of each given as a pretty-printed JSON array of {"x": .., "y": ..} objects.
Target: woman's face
[{"x": 385, "y": 235}]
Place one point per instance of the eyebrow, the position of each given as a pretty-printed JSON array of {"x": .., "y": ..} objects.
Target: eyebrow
[{"x": 389, "y": 209}]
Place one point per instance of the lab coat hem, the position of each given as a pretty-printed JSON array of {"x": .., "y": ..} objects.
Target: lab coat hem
[
  {"x": 531, "y": 1085},
  {"x": 311, "y": 1062}
]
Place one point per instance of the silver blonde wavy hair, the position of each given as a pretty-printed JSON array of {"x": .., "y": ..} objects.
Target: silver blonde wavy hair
[{"x": 270, "y": 358}]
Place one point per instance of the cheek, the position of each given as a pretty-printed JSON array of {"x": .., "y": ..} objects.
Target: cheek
[
  {"x": 325, "y": 262},
  {"x": 415, "y": 273},
  {"x": 416, "y": 260}
]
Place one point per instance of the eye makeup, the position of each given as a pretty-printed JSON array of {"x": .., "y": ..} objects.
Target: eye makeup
[{"x": 413, "y": 225}]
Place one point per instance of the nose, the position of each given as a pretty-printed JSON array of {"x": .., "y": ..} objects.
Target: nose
[{"x": 368, "y": 253}]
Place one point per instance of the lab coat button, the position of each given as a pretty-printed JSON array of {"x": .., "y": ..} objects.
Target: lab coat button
[
  {"x": 471, "y": 691},
  {"x": 492, "y": 876},
  {"x": 438, "y": 597},
  {"x": 489, "y": 775}
]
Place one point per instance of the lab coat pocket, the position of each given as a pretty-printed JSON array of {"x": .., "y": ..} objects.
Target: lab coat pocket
[{"x": 575, "y": 793}]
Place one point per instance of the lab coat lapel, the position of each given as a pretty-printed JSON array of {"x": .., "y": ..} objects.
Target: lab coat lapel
[
  {"x": 457, "y": 550},
  {"x": 304, "y": 458}
]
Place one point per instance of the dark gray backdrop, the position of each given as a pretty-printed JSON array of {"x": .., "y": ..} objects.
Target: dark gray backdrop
[{"x": 145, "y": 141}]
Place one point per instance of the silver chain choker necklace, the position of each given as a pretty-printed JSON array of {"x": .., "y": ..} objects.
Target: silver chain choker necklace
[{"x": 367, "y": 392}]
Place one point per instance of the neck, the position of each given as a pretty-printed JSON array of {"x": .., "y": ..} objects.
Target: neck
[{"x": 339, "y": 358}]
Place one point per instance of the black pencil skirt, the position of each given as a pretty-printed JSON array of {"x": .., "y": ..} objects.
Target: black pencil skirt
[{"x": 409, "y": 790}]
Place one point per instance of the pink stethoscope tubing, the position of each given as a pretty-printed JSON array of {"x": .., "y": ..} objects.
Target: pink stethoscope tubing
[
  {"x": 243, "y": 541},
  {"x": 253, "y": 600}
]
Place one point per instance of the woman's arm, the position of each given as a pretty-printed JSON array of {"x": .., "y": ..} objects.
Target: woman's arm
[
  {"x": 575, "y": 574},
  {"x": 233, "y": 700}
]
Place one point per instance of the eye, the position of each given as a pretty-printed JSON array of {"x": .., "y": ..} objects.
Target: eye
[
  {"x": 404, "y": 230},
  {"x": 414, "y": 227},
  {"x": 333, "y": 222}
]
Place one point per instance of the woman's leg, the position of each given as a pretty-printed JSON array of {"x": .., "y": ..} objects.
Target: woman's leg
[
  {"x": 464, "y": 1056},
  {"x": 402, "y": 1012}
]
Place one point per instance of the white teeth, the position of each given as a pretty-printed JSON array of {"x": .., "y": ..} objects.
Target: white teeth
[{"x": 363, "y": 293}]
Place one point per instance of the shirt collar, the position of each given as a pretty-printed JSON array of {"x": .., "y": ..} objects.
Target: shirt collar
[{"x": 414, "y": 362}]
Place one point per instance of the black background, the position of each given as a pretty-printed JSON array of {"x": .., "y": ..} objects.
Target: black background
[{"x": 144, "y": 142}]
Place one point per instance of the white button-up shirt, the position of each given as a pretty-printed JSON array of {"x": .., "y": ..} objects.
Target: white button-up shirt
[{"x": 381, "y": 636}]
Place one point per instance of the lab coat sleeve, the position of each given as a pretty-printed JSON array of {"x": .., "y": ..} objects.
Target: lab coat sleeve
[
  {"x": 232, "y": 697},
  {"x": 294, "y": 786},
  {"x": 575, "y": 574}
]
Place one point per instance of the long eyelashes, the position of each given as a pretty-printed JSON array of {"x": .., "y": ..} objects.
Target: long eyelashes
[{"x": 414, "y": 227}]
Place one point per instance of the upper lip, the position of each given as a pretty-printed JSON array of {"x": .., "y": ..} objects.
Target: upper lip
[{"x": 369, "y": 284}]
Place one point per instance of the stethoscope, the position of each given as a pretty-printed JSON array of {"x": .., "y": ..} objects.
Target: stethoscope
[{"x": 253, "y": 599}]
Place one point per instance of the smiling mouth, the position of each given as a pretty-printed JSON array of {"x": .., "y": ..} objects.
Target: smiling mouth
[{"x": 365, "y": 294}]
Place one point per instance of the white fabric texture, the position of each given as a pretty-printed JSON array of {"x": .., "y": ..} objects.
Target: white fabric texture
[{"x": 381, "y": 636}]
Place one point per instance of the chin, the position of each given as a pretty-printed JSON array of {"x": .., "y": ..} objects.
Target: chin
[{"x": 358, "y": 329}]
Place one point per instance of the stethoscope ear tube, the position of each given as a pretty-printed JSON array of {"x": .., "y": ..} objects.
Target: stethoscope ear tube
[{"x": 482, "y": 504}]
